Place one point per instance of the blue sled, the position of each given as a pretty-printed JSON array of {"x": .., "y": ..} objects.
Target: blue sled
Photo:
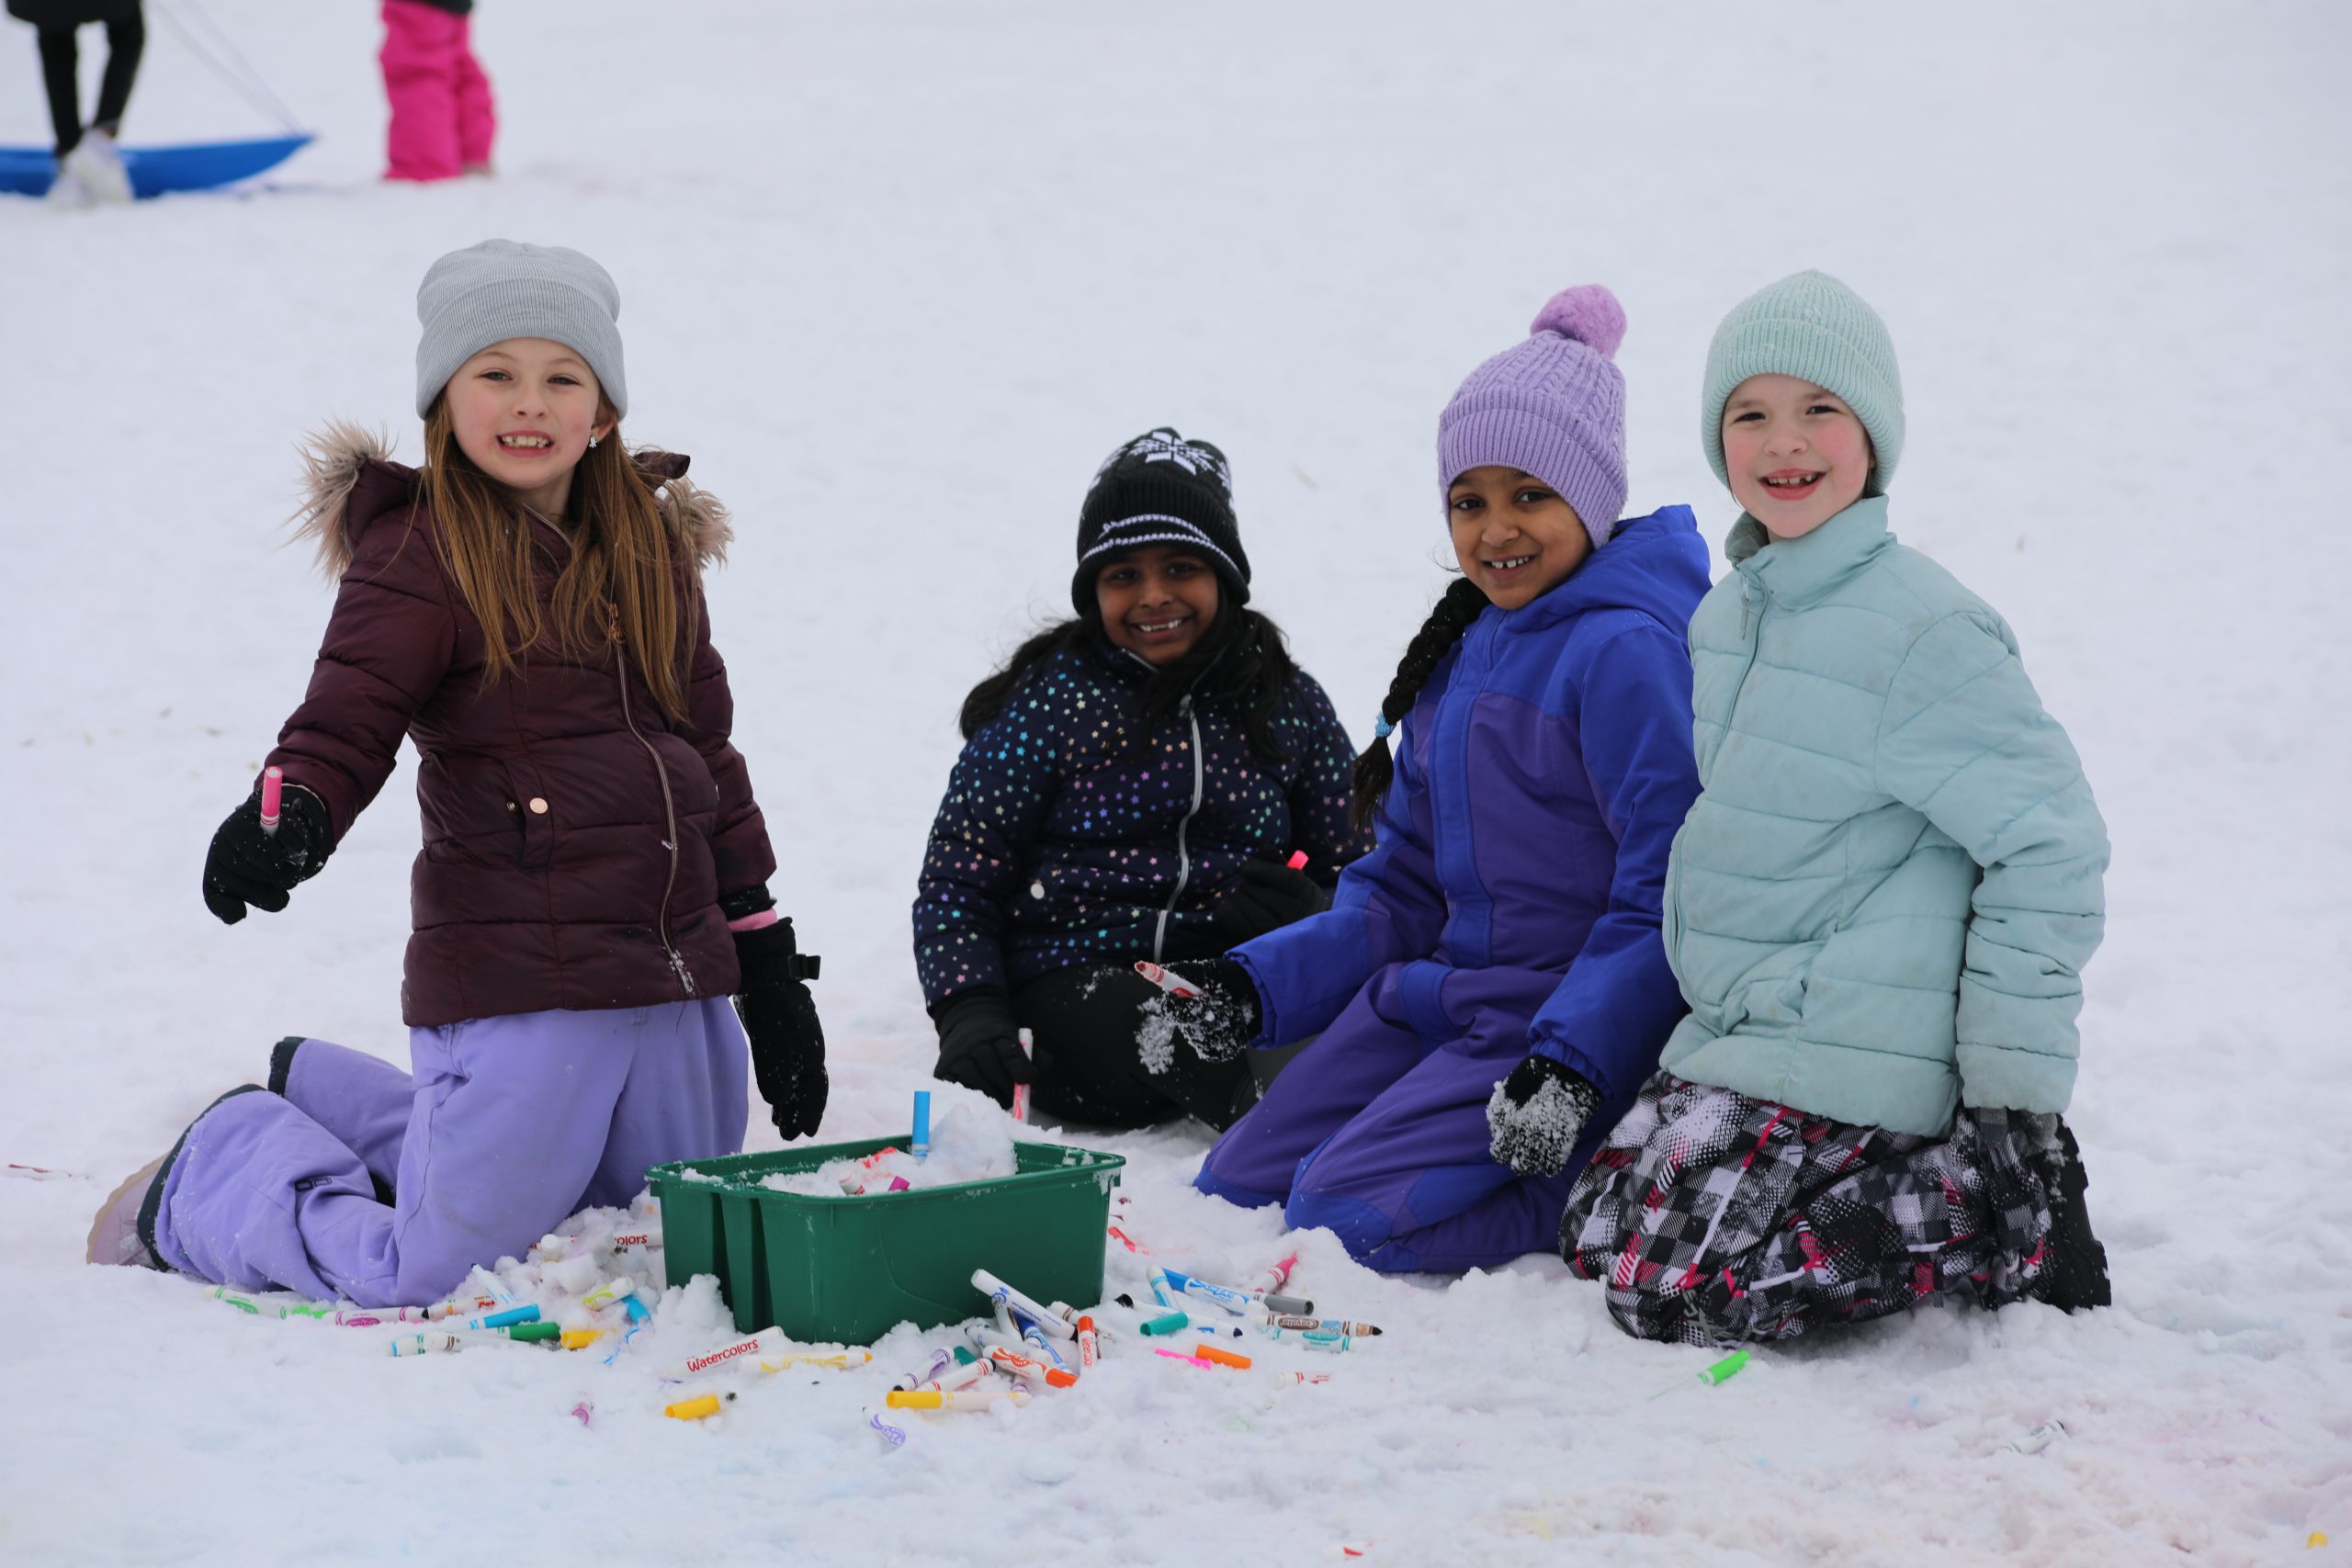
[{"x": 191, "y": 165}]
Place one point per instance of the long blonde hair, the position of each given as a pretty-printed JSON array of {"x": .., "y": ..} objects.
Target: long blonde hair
[{"x": 627, "y": 577}]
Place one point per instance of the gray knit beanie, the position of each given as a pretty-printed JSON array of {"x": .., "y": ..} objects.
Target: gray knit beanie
[
  {"x": 503, "y": 288},
  {"x": 1815, "y": 328}
]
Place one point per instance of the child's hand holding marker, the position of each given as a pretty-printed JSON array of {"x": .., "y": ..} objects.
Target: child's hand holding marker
[
  {"x": 1267, "y": 895},
  {"x": 1212, "y": 1004}
]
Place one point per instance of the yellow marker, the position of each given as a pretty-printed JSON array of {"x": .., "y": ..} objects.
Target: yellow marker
[
  {"x": 2318, "y": 1539},
  {"x": 953, "y": 1398},
  {"x": 840, "y": 1360},
  {"x": 581, "y": 1338},
  {"x": 696, "y": 1409}
]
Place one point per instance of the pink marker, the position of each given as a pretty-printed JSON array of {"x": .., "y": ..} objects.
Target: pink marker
[
  {"x": 1297, "y": 861},
  {"x": 1021, "y": 1090},
  {"x": 1163, "y": 979},
  {"x": 1274, "y": 1279},
  {"x": 272, "y": 783},
  {"x": 1180, "y": 1356}
]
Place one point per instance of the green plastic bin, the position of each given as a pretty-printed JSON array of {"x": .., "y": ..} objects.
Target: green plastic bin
[{"x": 848, "y": 1269}]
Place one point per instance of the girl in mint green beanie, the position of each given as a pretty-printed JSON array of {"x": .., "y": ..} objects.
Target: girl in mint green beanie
[{"x": 1878, "y": 908}]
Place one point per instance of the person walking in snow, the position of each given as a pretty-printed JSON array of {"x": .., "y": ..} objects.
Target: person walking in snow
[
  {"x": 443, "y": 117},
  {"x": 89, "y": 163},
  {"x": 1132, "y": 785},
  {"x": 1488, "y": 985},
  {"x": 1879, "y": 909},
  {"x": 526, "y": 609}
]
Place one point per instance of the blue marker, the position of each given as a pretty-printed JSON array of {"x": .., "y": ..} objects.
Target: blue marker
[
  {"x": 1240, "y": 1304},
  {"x": 922, "y": 1140},
  {"x": 504, "y": 1319}
]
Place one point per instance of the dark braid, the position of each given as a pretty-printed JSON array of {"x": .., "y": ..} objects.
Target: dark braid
[{"x": 1447, "y": 622}]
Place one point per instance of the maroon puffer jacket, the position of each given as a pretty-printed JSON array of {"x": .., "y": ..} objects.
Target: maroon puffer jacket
[{"x": 576, "y": 841}]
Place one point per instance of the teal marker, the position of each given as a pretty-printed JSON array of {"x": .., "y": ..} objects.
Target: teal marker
[
  {"x": 920, "y": 1143},
  {"x": 503, "y": 1319}
]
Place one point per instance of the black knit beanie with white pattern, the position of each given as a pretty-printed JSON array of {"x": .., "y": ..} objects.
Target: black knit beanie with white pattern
[{"x": 1160, "y": 488}]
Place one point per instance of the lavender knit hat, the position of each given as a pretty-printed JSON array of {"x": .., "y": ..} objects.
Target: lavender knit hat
[{"x": 1552, "y": 407}]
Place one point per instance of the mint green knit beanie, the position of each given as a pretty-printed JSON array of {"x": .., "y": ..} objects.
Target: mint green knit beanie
[{"x": 1813, "y": 327}]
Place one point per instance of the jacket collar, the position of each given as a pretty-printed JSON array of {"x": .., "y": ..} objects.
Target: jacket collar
[
  {"x": 1802, "y": 571},
  {"x": 1656, "y": 563}
]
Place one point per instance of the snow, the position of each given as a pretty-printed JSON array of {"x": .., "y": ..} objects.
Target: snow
[{"x": 898, "y": 275}]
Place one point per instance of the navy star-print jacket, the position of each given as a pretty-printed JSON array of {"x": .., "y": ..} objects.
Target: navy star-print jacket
[{"x": 1068, "y": 837}]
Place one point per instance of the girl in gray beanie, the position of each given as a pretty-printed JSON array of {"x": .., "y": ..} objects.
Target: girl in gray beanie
[
  {"x": 526, "y": 609},
  {"x": 1878, "y": 909}
]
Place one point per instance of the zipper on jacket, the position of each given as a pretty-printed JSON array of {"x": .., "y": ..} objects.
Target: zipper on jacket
[
  {"x": 1183, "y": 855},
  {"x": 669, "y": 813},
  {"x": 1748, "y": 594}
]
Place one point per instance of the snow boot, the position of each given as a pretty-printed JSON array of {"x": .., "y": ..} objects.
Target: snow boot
[
  {"x": 2073, "y": 1265},
  {"x": 98, "y": 162},
  {"x": 116, "y": 1236},
  {"x": 123, "y": 1234}
]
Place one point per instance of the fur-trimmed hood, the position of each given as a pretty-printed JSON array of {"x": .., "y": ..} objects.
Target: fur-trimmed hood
[{"x": 339, "y": 457}]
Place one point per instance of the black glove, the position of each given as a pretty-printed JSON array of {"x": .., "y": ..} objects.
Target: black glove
[
  {"x": 1266, "y": 896},
  {"x": 1536, "y": 1113},
  {"x": 1216, "y": 1011},
  {"x": 980, "y": 1045},
  {"x": 780, "y": 1019},
  {"x": 246, "y": 866}
]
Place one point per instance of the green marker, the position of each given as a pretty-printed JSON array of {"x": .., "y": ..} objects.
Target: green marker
[
  {"x": 245, "y": 1304},
  {"x": 1170, "y": 1322},
  {"x": 530, "y": 1333},
  {"x": 1722, "y": 1371}
]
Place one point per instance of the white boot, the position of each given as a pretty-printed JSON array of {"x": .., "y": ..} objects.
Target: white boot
[
  {"x": 66, "y": 189},
  {"x": 99, "y": 163}
]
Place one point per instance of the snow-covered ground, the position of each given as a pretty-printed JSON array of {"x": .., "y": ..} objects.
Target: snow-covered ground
[{"x": 899, "y": 273}]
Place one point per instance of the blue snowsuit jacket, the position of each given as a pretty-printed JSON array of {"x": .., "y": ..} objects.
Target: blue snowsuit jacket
[
  {"x": 1070, "y": 836},
  {"x": 1544, "y": 771}
]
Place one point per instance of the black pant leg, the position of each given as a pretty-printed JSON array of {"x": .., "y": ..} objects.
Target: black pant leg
[
  {"x": 126, "y": 40},
  {"x": 61, "y": 60},
  {"x": 1092, "y": 1067}
]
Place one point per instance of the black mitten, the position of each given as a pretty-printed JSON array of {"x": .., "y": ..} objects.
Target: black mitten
[
  {"x": 1267, "y": 895},
  {"x": 780, "y": 1019},
  {"x": 980, "y": 1045},
  {"x": 1536, "y": 1114},
  {"x": 246, "y": 866},
  {"x": 1212, "y": 1003}
]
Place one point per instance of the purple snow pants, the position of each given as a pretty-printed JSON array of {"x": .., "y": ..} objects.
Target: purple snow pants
[
  {"x": 506, "y": 1127},
  {"x": 1378, "y": 1129}
]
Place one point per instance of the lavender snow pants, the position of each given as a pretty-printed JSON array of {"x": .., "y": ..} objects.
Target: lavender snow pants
[
  {"x": 1378, "y": 1130},
  {"x": 508, "y": 1125}
]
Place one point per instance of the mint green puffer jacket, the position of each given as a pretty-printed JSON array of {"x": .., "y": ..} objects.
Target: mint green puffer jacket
[{"x": 1881, "y": 905}]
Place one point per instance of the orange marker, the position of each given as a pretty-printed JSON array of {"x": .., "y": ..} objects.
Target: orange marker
[{"x": 1208, "y": 1352}]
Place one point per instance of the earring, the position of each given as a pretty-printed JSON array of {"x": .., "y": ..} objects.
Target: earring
[{"x": 592, "y": 443}]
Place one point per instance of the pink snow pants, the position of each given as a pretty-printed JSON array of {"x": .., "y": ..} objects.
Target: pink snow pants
[{"x": 442, "y": 118}]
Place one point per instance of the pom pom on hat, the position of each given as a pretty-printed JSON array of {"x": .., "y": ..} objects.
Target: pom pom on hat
[{"x": 1589, "y": 313}]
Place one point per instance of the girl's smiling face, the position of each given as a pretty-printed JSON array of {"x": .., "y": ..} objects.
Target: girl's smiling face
[
  {"x": 1796, "y": 454},
  {"x": 1514, "y": 535},
  {"x": 523, "y": 409},
  {"x": 1158, "y": 601}
]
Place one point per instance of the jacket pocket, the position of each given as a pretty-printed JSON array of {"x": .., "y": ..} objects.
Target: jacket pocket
[{"x": 533, "y": 818}]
